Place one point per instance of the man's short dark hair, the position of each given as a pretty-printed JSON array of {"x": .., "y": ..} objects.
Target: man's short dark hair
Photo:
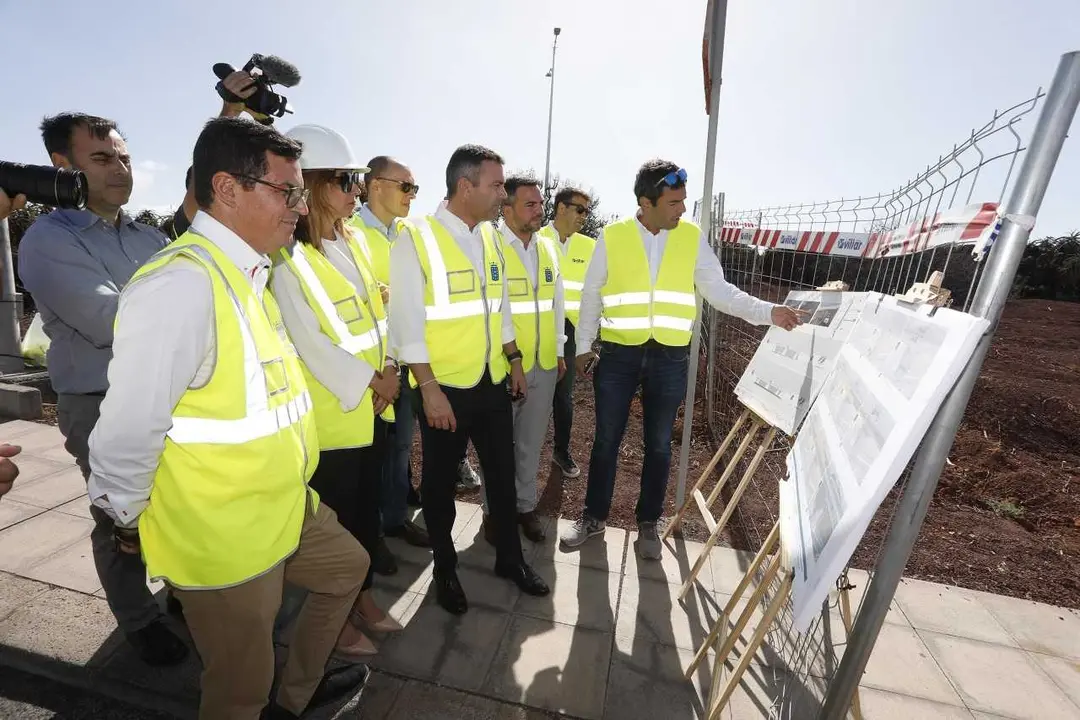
[
  {"x": 237, "y": 147},
  {"x": 515, "y": 182},
  {"x": 465, "y": 163},
  {"x": 648, "y": 185},
  {"x": 379, "y": 165},
  {"x": 57, "y": 131},
  {"x": 567, "y": 195}
]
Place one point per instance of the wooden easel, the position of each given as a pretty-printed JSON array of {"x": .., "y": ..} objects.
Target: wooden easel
[
  {"x": 705, "y": 504},
  {"x": 720, "y": 694}
]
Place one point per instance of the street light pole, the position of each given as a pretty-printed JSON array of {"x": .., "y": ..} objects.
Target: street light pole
[{"x": 551, "y": 109}]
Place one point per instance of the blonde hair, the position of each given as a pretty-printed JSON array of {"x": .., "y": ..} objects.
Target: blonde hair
[{"x": 320, "y": 222}]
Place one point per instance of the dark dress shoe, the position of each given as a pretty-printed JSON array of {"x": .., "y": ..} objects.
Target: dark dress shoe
[
  {"x": 158, "y": 646},
  {"x": 383, "y": 561},
  {"x": 525, "y": 578},
  {"x": 531, "y": 526},
  {"x": 413, "y": 498},
  {"x": 449, "y": 594},
  {"x": 411, "y": 533},
  {"x": 337, "y": 686}
]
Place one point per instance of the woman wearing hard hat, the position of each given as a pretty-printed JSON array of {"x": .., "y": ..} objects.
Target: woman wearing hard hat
[{"x": 333, "y": 311}]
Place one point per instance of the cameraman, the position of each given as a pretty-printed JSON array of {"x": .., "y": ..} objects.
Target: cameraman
[
  {"x": 241, "y": 84},
  {"x": 75, "y": 263}
]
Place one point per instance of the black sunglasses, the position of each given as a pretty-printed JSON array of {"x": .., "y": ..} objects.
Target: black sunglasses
[
  {"x": 293, "y": 195},
  {"x": 406, "y": 187},
  {"x": 579, "y": 209},
  {"x": 676, "y": 178},
  {"x": 350, "y": 180}
]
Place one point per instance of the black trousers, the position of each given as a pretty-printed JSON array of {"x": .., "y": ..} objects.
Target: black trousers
[
  {"x": 485, "y": 416},
  {"x": 349, "y": 481}
]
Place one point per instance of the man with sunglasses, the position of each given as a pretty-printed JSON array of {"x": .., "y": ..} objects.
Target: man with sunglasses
[
  {"x": 640, "y": 292},
  {"x": 391, "y": 189},
  {"x": 575, "y": 250}
]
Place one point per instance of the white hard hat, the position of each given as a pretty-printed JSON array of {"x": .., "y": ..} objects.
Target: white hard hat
[{"x": 324, "y": 149}]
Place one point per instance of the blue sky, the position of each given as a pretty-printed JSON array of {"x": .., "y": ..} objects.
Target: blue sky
[{"x": 821, "y": 99}]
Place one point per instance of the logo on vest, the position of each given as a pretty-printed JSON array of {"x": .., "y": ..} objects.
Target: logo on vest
[
  {"x": 495, "y": 272},
  {"x": 548, "y": 275}
]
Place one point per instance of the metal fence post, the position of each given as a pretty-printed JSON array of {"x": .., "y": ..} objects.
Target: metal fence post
[
  {"x": 10, "y": 350},
  {"x": 1019, "y": 213},
  {"x": 710, "y": 357}
]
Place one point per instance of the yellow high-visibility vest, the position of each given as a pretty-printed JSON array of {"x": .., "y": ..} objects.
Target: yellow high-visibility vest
[
  {"x": 463, "y": 315},
  {"x": 349, "y": 323},
  {"x": 533, "y": 309},
  {"x": 634, "y": 309},
  {"x": 573, "y": 263},
  {"x": 230, "y": 490},
  {"x": 378, "y": 246}
]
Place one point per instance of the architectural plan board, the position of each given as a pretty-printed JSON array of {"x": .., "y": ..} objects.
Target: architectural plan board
[
  {"x": 890, "y": 378},
  {"x": 788, "y": 368}
]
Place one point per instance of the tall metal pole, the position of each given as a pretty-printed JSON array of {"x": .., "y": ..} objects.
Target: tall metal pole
[
  {"x": 10, "y": 351},
  {"x": 551, "y": 112},
  {"x": 710, "y": 352},
  {"x": 716, "y": 65},
  {"x": 1018, "y": 216}
]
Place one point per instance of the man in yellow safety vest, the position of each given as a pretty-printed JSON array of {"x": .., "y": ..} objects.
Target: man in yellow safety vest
[
  {"x": 575, "y": 250},
  {"x": 207, "y": 440},
  {"x": 641, "y": 294}
]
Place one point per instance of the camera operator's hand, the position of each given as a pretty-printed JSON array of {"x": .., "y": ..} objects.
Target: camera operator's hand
[
  {"x": 241, "y": 84},
  {"x": 9, "y": 205}
]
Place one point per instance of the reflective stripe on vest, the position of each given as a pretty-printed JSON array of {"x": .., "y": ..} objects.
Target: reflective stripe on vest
[
  {"x": 347, "y": 341},
  {"x": 534, "y": 317},
  {"x": 635, "y": 309},
  {"x": 574, "y": 260}
]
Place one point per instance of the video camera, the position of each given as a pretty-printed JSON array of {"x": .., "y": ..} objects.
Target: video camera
[
  {"x": 267, "y": 70},
  {"x": 45, "y": 184}
]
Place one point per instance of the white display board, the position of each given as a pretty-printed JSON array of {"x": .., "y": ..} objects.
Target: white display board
[
  {"x": 890, "y": 378},
  {"x": 789, "y": 368}
]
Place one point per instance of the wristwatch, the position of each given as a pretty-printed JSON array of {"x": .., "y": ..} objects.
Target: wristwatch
[
  {"x": 511, "y": 357},
  {"x": 129, "y": 536}
]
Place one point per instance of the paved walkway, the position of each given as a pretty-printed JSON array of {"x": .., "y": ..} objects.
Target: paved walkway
[{"x": 611, "y": 642}]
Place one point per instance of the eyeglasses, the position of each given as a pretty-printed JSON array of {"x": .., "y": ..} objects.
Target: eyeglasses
[
  {"x": 293, "y": 195},
  {"x": 406, "y": 187},
  {"x": 674, "y": 178},
  {"x": 579, "y": 209},
  {"x": 350, "y": 181}
]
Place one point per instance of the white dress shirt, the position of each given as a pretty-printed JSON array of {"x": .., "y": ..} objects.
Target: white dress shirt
[
  {"x": 530, "y": 258},
  {"x": 709, "y": 282},
  {"x": 407, "y": 281},
  {"x": 164, "y": 344},
  {"x": 342, "y": 373}
]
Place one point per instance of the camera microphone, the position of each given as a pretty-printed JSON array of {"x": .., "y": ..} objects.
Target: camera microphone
[{"x": 278, "y": 71}]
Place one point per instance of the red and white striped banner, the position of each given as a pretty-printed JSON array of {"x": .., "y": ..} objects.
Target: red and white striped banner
[{"x": 968, "y": 224}]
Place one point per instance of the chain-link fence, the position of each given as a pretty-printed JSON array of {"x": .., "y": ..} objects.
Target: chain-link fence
[{"x": 944, "y": 220}]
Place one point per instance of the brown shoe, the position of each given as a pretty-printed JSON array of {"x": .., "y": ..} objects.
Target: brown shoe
[{"x": 531, "y": 526}]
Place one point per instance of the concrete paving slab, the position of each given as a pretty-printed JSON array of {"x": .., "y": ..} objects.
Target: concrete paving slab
[
  {"x": 71, "y": 568},
  {"x": 653, "y": 613},
  {"x": 16, "y": 591},
  {"x": 13, "y": 429},
  {"x": 766, "y": 692},
  {"x": 421, "y": 701},
  {"x": 180, "y": 682},
  {"x": 673, "y": 566},
  {"x": 473, "y": 550},
  {"x": 605, "y": 552},
  {"x": 406, "y": 553},
  {"x": 902, "y": 663},
  {"x": 551, "y": 666},
  {"x": 13, "y": 511},
  {"x": 950, "y": 611},
  {"x": 440, "y": 647},
  {"x": 1036, "y": 626},
  {"x": 33, "y": 468},
  {"x": 34, "y": 540},
  {"x": 728, "y": 567},
  {"x": 64, "y": 625},
  {"x": 51, "y": 490},
  {"x": 33, "y": 438},
  {"x": 861, "y": 580},
  {"x": 579, "y": 596},
  {"x": 401, "y": 605},
  {"x": 410, "y": 576},
  {"x": 464, "y": 513},
  {"x": 648, "y": 683},
  {"x": 79, "y": 507},
  {"x": 379, "y": 696},
  {"x": 486, "y": 589},
  {"x": 1065, "y": 673},
  {"x": 998, "y": 679},
  {"x": 882, "y": 705}
]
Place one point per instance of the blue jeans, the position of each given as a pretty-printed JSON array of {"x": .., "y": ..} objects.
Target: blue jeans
[
  {"x": 395, "y": 476},
  {"x": 660, "y": 371}
]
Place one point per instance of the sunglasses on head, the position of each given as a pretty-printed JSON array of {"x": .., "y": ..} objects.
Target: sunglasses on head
[
  {"x": 349, "y": 181},
  {"x": 406, "y": 187},
  {"x": 674, "y": 178}
]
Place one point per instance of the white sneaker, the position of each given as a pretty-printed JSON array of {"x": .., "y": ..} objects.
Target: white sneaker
[
  {"x": 468, "y": 478},
  {"x": 648, "y": 542},
  {"x": 583, "y": 529}
]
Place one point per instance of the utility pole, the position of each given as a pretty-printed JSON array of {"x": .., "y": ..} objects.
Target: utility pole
[{"x": 551, "y": 109}]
